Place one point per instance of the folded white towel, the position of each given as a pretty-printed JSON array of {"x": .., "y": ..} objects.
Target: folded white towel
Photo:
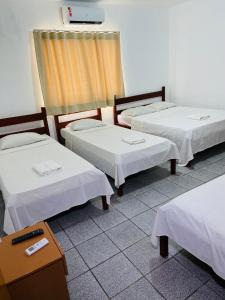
[
  {"x": 46, "y": 167},
  {"x": 133, "y": 139},
  {"x": 199, "y": 117}
]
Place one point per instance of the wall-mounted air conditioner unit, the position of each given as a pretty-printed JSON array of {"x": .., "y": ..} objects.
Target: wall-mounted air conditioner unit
[{"x": 82, "y": 15}]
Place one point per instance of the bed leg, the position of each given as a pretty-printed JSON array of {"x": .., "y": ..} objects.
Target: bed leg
[
  {"x": 105, "y": 205},
  {"x": 120, "y": 191},
  {"x": 173, "y": 166},
  {"x": 163, "y": 244},
  {"x": 188, "y": 165}
]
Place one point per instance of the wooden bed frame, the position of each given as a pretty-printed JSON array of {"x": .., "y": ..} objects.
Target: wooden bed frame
[
  {"x": 130, "y": 99},
  {"x": 98, "y": 116},
  {"x": 42, "y": 116},
  {"x": 59, "y": 125}
]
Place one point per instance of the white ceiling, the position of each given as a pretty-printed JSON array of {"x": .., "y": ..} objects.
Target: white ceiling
[{"x": 151, "y": 2}]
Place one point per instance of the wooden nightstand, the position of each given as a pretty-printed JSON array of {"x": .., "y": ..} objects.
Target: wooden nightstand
[{"x": 41, "y": 276}]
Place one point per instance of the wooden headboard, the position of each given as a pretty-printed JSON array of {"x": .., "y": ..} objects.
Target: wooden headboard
[
  {"x": 97, "y": 115},
  {"x": 42, "y": 116},
  {"x": 130, "y": 99}
]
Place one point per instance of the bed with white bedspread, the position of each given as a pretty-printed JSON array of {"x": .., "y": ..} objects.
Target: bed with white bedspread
[
  {"x": 179, "y": 125},
  {"x": 104, "y": 147},
  {"x": 30, "y": 198},
  {"x": 195, "y": 220}
]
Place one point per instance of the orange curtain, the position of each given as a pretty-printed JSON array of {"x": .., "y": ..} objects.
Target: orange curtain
[{"x": 78, "y": 70}]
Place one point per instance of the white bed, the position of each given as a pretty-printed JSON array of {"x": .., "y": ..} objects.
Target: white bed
[
  {"x": 104, "y": 148},
  {"x": 195, "y": 220},
  {"x": 30, "y": 198},
  {"x": 190, "y": 136}
]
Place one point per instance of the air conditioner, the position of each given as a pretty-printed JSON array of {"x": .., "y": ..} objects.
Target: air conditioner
[{"x": 82, "y": 15}]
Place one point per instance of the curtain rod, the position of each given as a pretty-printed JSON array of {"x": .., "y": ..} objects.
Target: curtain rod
[{"x": 76, "y": 31}]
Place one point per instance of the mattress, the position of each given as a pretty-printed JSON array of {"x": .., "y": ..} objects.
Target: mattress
[
  {"x": 190, "y": 136},
  {"x": 104, "y": 148},
  {"x": 195, "y": 220},
  {"x": 124, "y": 120},
  {"x": 30, "y": 198}
]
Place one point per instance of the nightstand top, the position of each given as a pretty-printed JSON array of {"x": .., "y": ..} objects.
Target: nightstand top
[{"x": 15, "y": 264}]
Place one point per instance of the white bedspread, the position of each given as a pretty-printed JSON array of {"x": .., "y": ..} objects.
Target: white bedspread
[
  {"x": 30, "y": 198},
  {"x": 190, "y": 136},
  {"x": 104, "y": 148},
  {"x": 195, "y": 220}
]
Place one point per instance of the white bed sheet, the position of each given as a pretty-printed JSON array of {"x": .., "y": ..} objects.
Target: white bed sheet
[
  {"x": 104, "y": 148},
  {"x": 124, "y": 120},
  {"x": 195, "y": 220},
  {"x": 30, "y": 198},
  {"x": 190, "y": 136}
]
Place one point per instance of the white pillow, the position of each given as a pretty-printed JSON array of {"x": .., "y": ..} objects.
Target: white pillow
[
  {"x": 161, "y": 105},
  {"x": 85, "y": 124},
  {"x": 137, "y": 111},
  {"x": 20, "y": 139}
]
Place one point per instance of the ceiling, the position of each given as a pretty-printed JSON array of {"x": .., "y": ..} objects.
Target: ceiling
[{"x": 151, "y": 2}]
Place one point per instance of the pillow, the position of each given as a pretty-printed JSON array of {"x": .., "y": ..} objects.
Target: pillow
[
  {"x": 161, "y": 105},
  {"x": 137, "y": 111},
  {"x": 20, "y": 139},
  {"x": 85, "y": 124}
]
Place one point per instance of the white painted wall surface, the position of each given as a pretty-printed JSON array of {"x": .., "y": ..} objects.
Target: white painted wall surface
[
  {"x": 144, "y": 43},
  {"x": 197, "y": 53}
]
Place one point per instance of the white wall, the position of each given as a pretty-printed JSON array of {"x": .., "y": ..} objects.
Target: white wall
[
  {"x": 197, "y": 53},
  {"x": 144, "y": 43}
]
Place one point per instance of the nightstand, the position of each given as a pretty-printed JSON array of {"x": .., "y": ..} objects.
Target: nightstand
[{"x": 41, "y": 276}]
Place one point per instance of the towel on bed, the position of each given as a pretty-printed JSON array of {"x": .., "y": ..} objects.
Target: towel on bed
[
  {"x": 199, "y": 117},
  {"x": 46, "y": 167},
  {"x": 133, "y": 139}
]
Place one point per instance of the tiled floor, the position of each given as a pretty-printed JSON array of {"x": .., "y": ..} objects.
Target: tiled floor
[{"x": 109, "y": 254}]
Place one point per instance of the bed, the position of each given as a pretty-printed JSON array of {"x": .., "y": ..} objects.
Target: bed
[
  {"x": 29, "y": 197},
  {"x": 190, "y": 135},
  {"x": 104, "y": 148},
  {"x": 195, "y": 220}
]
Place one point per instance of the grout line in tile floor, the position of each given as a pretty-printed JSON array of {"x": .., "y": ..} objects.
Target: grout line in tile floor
[
  {"x": 216, "y": 291},
  {"x": 155, "y": 288},
  {"x": 120, "y": 251},
  {"x": 99, "y": 283},
  {"x": 140, "y": 191},
  {"x": 152, "y": 208},
  {"x": 130, "y": 219},
  {"x": 143, "y": 277},
  {"x": 194, "y": 291}
]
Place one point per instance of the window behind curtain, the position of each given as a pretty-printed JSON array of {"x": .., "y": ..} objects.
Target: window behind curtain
[{"x": 78, "y": 70}]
